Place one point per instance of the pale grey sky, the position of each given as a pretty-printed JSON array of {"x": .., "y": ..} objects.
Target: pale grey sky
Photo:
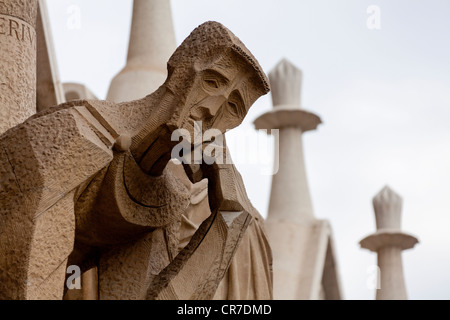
[{"x": 383, "y": 95}]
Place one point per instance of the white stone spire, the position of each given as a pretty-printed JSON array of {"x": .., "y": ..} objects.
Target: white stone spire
[
  {"x": 290, "y": 198},
  {"x": 304, "y": 260},
  {"x": 286, "y": 84},
  {"x": 389, "y": 242},
  {"x": 388, "y": 209},
  {"x": 152, "y": 42},
  {"x": 49, "y": 89}
]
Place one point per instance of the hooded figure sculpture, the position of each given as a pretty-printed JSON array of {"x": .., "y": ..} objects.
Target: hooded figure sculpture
[{"x": 92, "y": 184}]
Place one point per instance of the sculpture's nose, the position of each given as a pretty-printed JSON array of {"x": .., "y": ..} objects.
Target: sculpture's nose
[{"x": 208, "y": 108}]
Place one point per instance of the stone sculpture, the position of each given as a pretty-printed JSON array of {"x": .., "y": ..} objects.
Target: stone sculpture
[{"x": 92, "y": 184}]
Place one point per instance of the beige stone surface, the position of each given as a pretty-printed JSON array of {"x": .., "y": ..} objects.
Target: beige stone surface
[
  {"x": 290, "y": 198},
  {"x": 89, "y": 183},
  {"x": 393, "y": 237},
  {"x": 388, "y": 209},
  {"x": 389, "y": 242},
  {"x": 49, "y": 90},
  {"x": 18, "y": 61},
  {"x": 38, "y": 177},
  {"x": 250, "y": 274},
  {"x": 77, "y": 91},
  {"x": 152, "y": 41},
  {"x": 304, "y": 260},
  {"x": 196, "y": 274}
]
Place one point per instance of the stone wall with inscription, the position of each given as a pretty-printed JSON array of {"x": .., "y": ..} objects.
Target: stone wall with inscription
[{"x": 17, "y": 61}]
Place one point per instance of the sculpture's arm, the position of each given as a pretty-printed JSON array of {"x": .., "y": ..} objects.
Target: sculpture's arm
[
  {"x": 42, "y": 161},
  {"x": 253, "y": 255},
  {"x": 198, "y": 269},
  {"x": 226, "y": 187}
]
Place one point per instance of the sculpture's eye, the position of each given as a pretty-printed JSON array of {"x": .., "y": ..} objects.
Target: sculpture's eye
[
  {"x": 213, "y": 80},
  {"x": 233, "y": 108},
  {"x": 235, "y": 105},
  {"x": 212, "y": 83}
]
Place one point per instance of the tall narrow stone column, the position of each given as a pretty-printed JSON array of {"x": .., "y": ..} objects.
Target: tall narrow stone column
[
  {"x": 304, "y": 263},
  {"x": 389, "y": 242},
  {"x": 290, "y": 199},
  {"x": 49, "y": 87},
  {"x": 152, "y": 42},
  {"x": 17, "y": 61}
]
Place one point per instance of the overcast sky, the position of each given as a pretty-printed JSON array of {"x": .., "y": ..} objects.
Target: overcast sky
[{"x": 383, "y": 95}]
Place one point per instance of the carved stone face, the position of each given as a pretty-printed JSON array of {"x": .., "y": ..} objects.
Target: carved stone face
[
  {"x": 214, "y": 94},
  {"x": 220, "y": 95}
]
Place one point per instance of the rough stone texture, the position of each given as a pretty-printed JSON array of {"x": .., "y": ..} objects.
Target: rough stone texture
[
  {"x": 22, "y": 9},
  {"x": 36, "y": 209},
  {"x": 126, "y": 271},
  {"x": 54, "y": 233},
  {"x": 250, "y": 275},
  {"x": 152, "y": 41},
  {"x": 101, "y": 171},
  {"x": 302, "y": 245},
  {"x": 133, "y": 269},
  {"x": 18, "y": 61},
  {"x": 196, "y": 274},
  {"x": 389, "y": 242}
]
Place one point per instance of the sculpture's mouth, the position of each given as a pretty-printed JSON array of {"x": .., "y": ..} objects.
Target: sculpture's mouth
[
  {"x": 197, "y": 128},
  {"x": 190, "y": 133}
]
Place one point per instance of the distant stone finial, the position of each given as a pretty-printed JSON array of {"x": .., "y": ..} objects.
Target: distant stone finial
[
  {"x": 387, "y": 205},
  {"x": 389, "y": 242},
  {"x": 290, "y": 199},
  {"x": 286, "y": 84}
]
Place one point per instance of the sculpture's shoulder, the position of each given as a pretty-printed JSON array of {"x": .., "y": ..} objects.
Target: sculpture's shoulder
[
  {"x": 54, "y": 151},
  {"x": 106, "y": 113},
  {"x": 72, "y": 104}
]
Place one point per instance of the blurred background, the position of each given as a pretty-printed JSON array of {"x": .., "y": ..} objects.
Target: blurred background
[{"x": 381, "y": 85}]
